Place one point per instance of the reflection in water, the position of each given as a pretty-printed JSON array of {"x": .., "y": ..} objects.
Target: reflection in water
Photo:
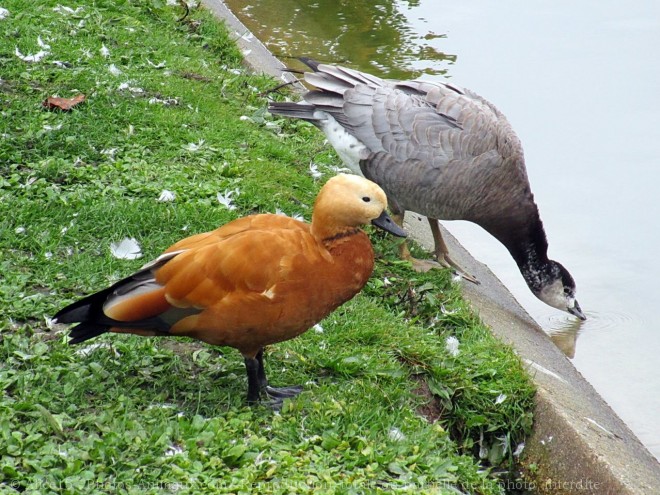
[
  {"x": 602, "y": 321},
  {"x": 372, "y": 35},
  {"x": 566, "y": 338},
  {"x": 564, "y": 330}
]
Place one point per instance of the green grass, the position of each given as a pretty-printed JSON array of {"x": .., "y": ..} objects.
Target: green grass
[{"x": 386, "y": 408}]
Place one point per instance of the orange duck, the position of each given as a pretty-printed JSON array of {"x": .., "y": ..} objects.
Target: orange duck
[{"x": 255, "y": 281}]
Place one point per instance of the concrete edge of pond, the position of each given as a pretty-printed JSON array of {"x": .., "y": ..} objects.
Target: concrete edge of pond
[{"x": 579, "y": 444}]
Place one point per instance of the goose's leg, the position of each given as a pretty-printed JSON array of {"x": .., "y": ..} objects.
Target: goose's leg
[
  {"x": 442, "y": 252},
  {"x": 404, "y": 252}
]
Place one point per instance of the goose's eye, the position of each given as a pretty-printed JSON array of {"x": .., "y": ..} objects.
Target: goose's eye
[{"x": 366, "y": 199}]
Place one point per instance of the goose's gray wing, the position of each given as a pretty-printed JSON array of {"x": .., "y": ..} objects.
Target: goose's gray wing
[{"x": 437, "y": 150}]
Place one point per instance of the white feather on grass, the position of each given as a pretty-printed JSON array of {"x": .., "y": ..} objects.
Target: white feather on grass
[
  {"x": 194, "y": 147},
  {"x": 396, "y": 434},
  {"x": 126, "y": 249},
  {"x": 114, "y": 70},
  {"x": 166, "y": 196},
  {"x": 451, "y": 344},
  {"x": 61, "y": 9},
  {"x": 36, "y": 57},
  {"x": 225, "y": 199},
  {"x": 41, "y": 43},
  {"x": 314, "y": 171}
]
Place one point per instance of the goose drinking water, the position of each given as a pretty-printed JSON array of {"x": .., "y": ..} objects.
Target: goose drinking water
[{"x": 442, "y": 151}]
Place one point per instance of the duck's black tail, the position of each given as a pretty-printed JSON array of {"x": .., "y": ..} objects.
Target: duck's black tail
[
  {"x": 88, "y": 312},
  {"x": 85, "y": 331}
]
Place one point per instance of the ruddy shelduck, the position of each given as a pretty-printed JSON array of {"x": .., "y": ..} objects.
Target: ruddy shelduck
[{"x": 255, "y": 281}]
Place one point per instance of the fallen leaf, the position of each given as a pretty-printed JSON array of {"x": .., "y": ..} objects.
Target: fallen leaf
[
  {"x": 64, "y": 104},
  {"x": 195, "y": 77}
]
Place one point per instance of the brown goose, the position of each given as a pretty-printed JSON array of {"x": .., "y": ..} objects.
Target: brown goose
[{"x": 442, "y": 151}]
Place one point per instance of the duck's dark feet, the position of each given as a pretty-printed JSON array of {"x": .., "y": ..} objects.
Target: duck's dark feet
[
  {"x": 277, "y": 395},
  {"x": 283, "y": 392},
  {"x": 258, "y": 387}
]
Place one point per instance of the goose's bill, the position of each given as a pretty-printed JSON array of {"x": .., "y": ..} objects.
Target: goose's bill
[
  {"x": 577, "y": 311},
  {"x": 387, "y": 224}
]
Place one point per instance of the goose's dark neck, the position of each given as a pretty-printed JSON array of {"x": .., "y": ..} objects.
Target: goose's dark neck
[{"x": 528, "y": 246}]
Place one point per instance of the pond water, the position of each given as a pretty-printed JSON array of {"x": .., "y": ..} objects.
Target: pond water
[{"x": 580, "y": 83}]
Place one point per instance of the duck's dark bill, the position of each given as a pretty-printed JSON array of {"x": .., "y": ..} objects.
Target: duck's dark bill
[{"x": 387, "y": 224}]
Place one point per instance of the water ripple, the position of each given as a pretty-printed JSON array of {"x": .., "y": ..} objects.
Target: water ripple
[
  {"x": 596, "y": 321},
  {"x": 564, "y": 329}
]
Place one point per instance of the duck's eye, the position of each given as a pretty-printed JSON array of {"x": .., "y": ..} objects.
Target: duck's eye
[
  {"x": 366, "y": 199},
  {"x": 567, "y": 291}
]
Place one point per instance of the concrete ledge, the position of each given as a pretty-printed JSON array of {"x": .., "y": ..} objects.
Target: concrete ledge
[{"x": 579, "y": 445}]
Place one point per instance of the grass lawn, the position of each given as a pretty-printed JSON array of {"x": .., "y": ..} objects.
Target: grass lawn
[{"x": 405, "y": 390}]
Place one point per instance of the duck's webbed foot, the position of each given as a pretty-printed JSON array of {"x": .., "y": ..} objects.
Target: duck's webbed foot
[
  {"x": 446, "y": 262},
  {"x": 441, "y": 251},
  {"x": 404, "y": 252},
  {"x": 258, "y": 384},
  {"x": 277, "y": 395},
  {"x": 420, "y": 265},
  {"x": 443, "y": 261},
  {"x": 283, "y": 392}
]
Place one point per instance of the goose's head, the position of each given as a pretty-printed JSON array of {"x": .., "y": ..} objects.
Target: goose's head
[
  {"x": 347, "y": 202},
  {"x": 555, "y": 286}
]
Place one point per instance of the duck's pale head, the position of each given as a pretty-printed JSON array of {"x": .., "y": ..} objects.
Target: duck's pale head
[{"x": 350, "y": 201}]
